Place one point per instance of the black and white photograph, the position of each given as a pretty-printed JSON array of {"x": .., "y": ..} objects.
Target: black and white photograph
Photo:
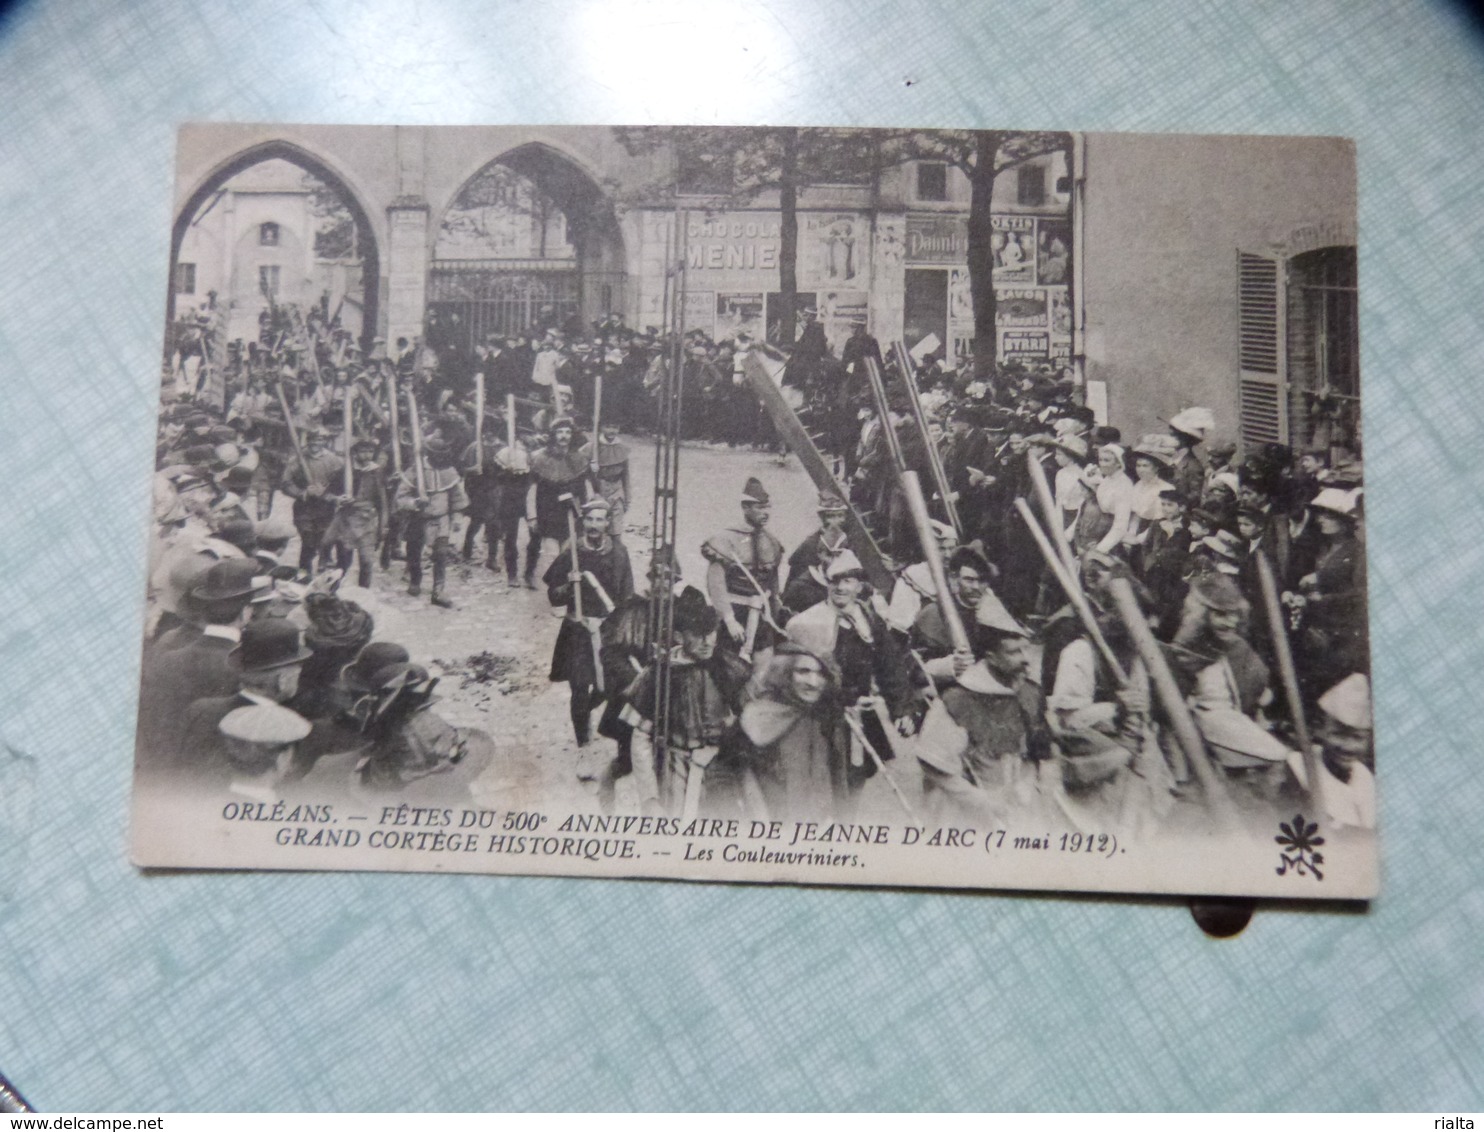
[{"x": 955, "y": 508}]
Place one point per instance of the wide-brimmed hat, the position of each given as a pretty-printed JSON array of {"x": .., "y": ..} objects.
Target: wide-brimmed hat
[
  {"x": 1337, "y": 501},
  {"x": 1195, "y": 421},
  {"x": 1073, "y": 445},
  {"x": 1218, "y": 592},
  {"x": 232, "y": 578},
  {"x": 843, "y": 565},
  {"x": 829, "y": 501},
  {"x": 1159, "y": 446},
  {"x": 268, "y": 644},
  {"x": 336, "y": 623},
  {"x": 372, "y": 659},
  {"x": 1229, "y": 480},
  {"x": 395, "y": 677},
  {"x": 1349, "y": 702}
]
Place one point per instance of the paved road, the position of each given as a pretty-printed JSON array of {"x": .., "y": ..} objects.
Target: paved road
[{"x": 492, "y": 651}]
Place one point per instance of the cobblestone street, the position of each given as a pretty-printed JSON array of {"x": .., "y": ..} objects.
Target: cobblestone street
[{"x": 492, "y": 651}]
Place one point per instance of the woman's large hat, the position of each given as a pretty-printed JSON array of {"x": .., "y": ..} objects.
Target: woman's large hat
[
  {"x": 1159, "y": 446},
  {"x": 1195, "y": 421},
  {"x": 1337, "y": 501},
  {"x": 377, "y": 655}
]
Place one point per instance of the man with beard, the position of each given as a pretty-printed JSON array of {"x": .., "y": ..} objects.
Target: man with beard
[
  {"x": 704, "y": 689},
  {"x": 984, "y": 740},
  {"x": 742, "y": 576},
  {"x": 558, "y": 469},
  {"x": 601, "y": 581}
]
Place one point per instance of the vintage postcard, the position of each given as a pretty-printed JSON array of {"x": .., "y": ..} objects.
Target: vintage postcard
[{"x": 957, "y": 508}]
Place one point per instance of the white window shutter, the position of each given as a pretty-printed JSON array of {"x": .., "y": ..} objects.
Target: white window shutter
[{"x": 1262, "y": 348}]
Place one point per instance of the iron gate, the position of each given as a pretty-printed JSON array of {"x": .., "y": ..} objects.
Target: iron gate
[{"x": 468, "y": 299}]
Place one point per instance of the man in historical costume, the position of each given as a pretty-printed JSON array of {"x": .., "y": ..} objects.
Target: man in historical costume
[
  {"x": 557, "y": 470},
  {"x": 705, "y": 686},
  {"x": 791, "y": 742},
  {"x": 969, "y": 581},
  {"x": 361, "y": 516},
  {"x": 743, "y": 564},
  {"x": 481, "y": 479},
  {"x": 806, "y": 580},
  {"x": 429, "y": 516},
  {"x": 1229, "y": 686},
  {"x": 1113, "y": 774},
  {"x": 1187, "y": 470},
  {"x": 612, "y": 474},
  {"x": 314, "y": 496},
  {"x": 602, "y": 579},
  {"x": 627, "y": 636},
  {"x": 876, "y": 684},
  {"x": 914, "y": 588},
  {"x": 984, "y": 741}
]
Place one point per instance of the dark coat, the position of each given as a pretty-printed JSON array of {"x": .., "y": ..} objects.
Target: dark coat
[{"x": 572, "y": 658}]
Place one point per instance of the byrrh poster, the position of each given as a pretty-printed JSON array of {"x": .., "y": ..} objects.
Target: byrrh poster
[{"x": 497, "y": 528}]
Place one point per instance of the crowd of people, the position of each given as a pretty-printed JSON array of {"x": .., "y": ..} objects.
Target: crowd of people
[{"x": 790, "y": 677}]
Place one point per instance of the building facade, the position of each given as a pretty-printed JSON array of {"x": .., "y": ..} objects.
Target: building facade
[{"x": 1160, "y": 271}]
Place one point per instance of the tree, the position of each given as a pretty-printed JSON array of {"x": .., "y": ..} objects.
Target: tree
[
  {"x": 495, "y": 198},
  {"x": 982, "y": 155},
  {"x": 731, "y": 166},
  {"x": 335, "y": 234}
]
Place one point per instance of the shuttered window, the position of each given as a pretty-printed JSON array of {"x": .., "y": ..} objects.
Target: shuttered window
[{"x": 1261, "y": 349}]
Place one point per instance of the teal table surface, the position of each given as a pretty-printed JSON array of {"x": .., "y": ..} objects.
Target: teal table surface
[{"x": 229, "y": 991}]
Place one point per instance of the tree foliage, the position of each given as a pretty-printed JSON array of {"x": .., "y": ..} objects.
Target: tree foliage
[
  {"x": 335, "y": 235},
  {"x": 719, "y": 167}
]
